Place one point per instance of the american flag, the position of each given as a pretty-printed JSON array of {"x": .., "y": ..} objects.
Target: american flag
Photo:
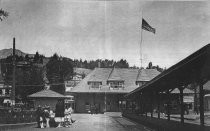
[{"x": 147, "y": 27}]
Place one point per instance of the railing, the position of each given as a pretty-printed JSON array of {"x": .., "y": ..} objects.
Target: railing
[
  {"x": 9, "y": 117},
  {"x": 116, "y": 87}
]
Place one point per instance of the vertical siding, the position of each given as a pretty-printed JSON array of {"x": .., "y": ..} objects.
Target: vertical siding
[{"x": 98, "y": 99}]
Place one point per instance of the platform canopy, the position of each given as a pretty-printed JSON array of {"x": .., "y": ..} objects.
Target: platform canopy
[{"x": 193, "y": 69}]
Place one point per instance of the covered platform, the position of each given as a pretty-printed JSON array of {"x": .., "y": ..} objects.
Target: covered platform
[{"x": 193, "y": 71}]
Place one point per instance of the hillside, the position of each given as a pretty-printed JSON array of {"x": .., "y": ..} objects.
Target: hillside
[{"x": 7, "y": 52}]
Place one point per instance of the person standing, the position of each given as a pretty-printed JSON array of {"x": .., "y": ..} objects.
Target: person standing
[
  {"x": 47, "y": 115},
  {"x": 38, "y": 116},
  {"x": 67, "y": 119},
  {"x": 59, "y": 111}
]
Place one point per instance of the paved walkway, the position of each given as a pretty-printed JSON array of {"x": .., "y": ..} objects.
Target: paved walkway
[
  {"x": 191, "y": 118},
  {"x": 96, "y": 122}
]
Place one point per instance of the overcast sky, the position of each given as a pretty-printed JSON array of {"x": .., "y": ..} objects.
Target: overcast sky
[{"x": 107, "y": 29}]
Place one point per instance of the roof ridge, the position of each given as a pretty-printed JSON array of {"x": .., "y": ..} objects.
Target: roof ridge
[{"x": 110, "y": 73}]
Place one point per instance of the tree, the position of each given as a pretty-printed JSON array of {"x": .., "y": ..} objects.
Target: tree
[
  {"x": 36, "y": 57},
  {"x": 27, "y": 58},
  {"x": 29, "y": 77},
  {"x": 150, "y": 66},
  {"x": 3, "y": 14},
  {"x": 58, "y": 69},
  {"x": 121, "y": 64}
]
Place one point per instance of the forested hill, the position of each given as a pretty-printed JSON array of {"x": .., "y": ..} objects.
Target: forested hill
[
  {"x": 89, "y": 64},
  {"x": 100, "y": 63},
  {"x": 4, "y": 53}
]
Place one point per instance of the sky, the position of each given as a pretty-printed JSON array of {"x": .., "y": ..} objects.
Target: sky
[{"x": 100, "y": 29}]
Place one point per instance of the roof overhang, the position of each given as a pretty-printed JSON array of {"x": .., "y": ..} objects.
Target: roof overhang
[{"x": 194, "y": 68}]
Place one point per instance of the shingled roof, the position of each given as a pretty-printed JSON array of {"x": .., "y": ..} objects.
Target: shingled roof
[
  {"x": 147, "y": 74},
  {"x": 100, "y": 75},
  {"x": 46, "y": 94},
  {"x": 206, "y": 86},
  {"x": 129, "y": 76},
  {"x": 115, "y": 75}
]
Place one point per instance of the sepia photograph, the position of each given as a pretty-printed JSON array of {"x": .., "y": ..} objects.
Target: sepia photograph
[{"x": 104, "y": 65}]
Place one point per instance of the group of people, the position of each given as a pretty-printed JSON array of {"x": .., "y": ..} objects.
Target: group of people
[{"x": 61, "y": 118}]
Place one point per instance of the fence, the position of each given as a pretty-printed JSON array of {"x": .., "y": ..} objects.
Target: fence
[{"x": 11, "y": 117}]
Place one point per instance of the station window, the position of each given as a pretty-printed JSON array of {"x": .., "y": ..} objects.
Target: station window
[{"x": 95, "y": 85}]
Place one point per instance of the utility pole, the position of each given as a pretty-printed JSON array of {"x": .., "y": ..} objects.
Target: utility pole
[{"x": 13, "y": 76}]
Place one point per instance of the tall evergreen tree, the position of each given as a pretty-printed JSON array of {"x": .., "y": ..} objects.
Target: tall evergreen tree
[{"x": 58, "y": 69}]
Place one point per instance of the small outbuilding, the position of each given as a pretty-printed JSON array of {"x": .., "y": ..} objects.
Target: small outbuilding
[{"x": 46, "y": 98}]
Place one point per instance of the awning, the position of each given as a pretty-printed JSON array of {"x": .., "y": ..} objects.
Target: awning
[{"x": 194, "y": 68}]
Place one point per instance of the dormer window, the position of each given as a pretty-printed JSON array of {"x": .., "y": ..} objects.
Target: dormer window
[
  {"x": 94, "y": 84},
  {"x": 140, "y": 83},
  {"x": 116, "y": 84}
]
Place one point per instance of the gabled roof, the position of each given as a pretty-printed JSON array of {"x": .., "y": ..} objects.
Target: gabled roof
[
  {"x": 99, "y": 75},
  {"x": 185, "y": 91},
  {"x": 129, "y": 77},
  {"x": 103, "y": 75},
  {"x": 206, "y": 86},
  {"x": 147, "y": 74},
  {"x": 46, "y": 94}
]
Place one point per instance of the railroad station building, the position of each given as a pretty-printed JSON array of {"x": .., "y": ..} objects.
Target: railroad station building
[{"x": 104, "y": 88}]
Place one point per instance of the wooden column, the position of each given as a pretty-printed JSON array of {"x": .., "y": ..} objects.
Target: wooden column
[
  {"x": 158, "y": 106},
  {"x": 168, "y": 105},
  {"x": 181, "y": 104},
  {"x": 201, "y": 95},
  {"x": 146, "y": 105},
  {"x": 139, "y": 104},
  {"x": 151, "y": 104}
]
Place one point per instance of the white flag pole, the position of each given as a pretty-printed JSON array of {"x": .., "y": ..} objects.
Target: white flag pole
[{"x": 141, "y": 40}]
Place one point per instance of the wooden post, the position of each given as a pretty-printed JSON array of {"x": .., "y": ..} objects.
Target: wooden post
[
  {"x": 168, "y": 105},
  {"x": 181, "y": 104},
  {"x": 146, "y": 104},
  {"x": 139, "y": 104},
  {"x": 151, "y": 110},
  {"x": 201, "y": 95},
  {"x": 13, "y": 76},
  {"x": 106, "y": 103},
  {"x": 158, "y": 106}
]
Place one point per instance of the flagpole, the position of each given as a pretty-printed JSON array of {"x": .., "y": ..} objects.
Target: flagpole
[{"x": 141, "y": 39}]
